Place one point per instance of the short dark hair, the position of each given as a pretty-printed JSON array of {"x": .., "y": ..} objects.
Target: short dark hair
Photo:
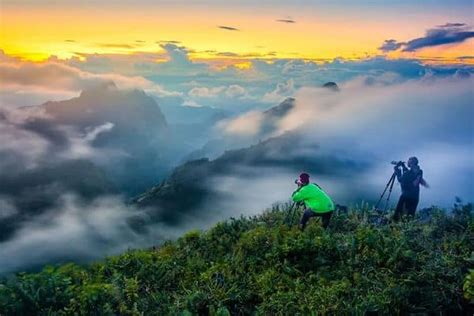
[{"x": 415, "y": 160}]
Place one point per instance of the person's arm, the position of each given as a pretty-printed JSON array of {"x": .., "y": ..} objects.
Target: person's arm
[
  {"x": 404, "y": 168},
  {"x": 299, "y": 195},
  {"x": 424, "y": 183},
  {"x": 419, "y": 180},
  {"x": 399, "y": 172}
]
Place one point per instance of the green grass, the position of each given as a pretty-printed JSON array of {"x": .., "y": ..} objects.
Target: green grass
[{"x": 260, "y": 266}]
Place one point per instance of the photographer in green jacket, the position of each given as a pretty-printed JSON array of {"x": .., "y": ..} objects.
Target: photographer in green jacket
[{"x": 316, "y": 201}]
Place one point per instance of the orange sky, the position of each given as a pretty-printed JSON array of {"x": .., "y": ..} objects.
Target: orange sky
[{"x": 35, "y": 33}]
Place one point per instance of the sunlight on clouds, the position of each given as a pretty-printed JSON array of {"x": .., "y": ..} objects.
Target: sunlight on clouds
[{"x": 36, "y": 32}]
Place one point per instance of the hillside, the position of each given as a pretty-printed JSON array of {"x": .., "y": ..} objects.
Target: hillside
[
  {"x": 258, "y": 265},
  {"x": 191, "y": 187},
  {"x": 270, "y": 120}
]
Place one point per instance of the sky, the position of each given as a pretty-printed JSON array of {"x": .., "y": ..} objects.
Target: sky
[{"x": 232, "y": 32}]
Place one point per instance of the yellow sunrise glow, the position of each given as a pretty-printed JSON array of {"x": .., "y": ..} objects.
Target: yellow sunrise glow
[{"x": 64, "y": 32}]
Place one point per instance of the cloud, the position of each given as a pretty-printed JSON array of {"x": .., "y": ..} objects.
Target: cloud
[
  {"x": 7, "y": 208},
  {"x": 450, "y": 25},
  {"x": 81, "y": 144},
  {"x": 282, "y": 91},
  {"x": 398, "y": 120},
  {"x": 291, "y": 21},
  {"x": 168, "y": 72},
  {"x": 117, "y": 45},
  {"x": 228, "y": 28},
  {"x": 235, "y": 91},
  {"x": 26, "y": 146},
  {"x": 79, "y": 230},
  {"x": 449, "y": 33},
  {"x": 245, "y": 125},
  {"x": 232, "y": 91},
  {"x": 57, "y": 76},
  {"x": 204, "y": 92},
  {"x": 390, "y": 45},
  {"x": 34, "y": 138},
  {"x": 462, "y": 74},
  {"x": 192, "y": 104},
  {"x": 178, "y": 54},
  {"x": 96, "y": 131},
  {"x": 374, "y": 122},
  {"x": 53, "y": 80},
  {"x": 227, "y": 54},
  {"x": 169, "y": 42}
]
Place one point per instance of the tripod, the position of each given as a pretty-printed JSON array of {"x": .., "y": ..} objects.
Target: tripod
[
  {"x": 389, "y": 186},
  {"x": 291, "y": 214}
]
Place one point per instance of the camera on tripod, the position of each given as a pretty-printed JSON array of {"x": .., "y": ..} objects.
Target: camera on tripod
[{"x": 398, "y": 163}]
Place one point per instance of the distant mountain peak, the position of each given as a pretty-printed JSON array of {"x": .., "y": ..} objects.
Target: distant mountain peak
[
  {"x": 281, "y": 109},
  {"x": 99, "y": 88},
  {"x": 104, "y": 102},
  {"x": 331, "y": 86}
]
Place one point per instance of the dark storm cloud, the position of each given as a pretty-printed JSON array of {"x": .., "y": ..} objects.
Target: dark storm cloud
[{"x": 228, "y": 28}]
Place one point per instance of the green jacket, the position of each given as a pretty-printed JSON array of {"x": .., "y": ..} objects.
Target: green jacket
[{"x": 314, "y": 198}]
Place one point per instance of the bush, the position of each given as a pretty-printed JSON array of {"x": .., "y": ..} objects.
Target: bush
[{"x": 258, "y": 265}]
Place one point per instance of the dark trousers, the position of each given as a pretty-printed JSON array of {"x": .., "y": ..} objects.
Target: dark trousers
[
  {"x": 308, "y": 213},
  {"x": 406, "y": 206}
]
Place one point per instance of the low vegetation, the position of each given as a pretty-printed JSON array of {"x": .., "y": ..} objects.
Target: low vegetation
[{"x": 260, "y": 266}]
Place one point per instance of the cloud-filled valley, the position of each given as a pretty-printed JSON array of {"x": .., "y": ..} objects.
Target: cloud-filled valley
[{"x": 102, "y": 166}]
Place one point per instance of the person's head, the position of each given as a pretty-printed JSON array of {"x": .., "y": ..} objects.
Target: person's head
[
  {"x": 303, "y": 179},
  {"x": 412, "y": 162}
]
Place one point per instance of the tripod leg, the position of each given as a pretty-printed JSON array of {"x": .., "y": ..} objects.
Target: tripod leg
[
  {"x": 288, "y": 215},
  {"x": 389, "y": 183},
  {"x": 295, "y": 212},
  {"x": 392, "y": 180}
]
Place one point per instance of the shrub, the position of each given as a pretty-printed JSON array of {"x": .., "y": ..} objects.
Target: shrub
[{"x": 258, "y": 265}]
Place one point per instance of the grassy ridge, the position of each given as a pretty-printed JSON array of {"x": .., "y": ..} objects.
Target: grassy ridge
[{"x": 260, "y": 266}]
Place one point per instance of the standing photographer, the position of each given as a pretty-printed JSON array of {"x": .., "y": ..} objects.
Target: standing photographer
[{"x": 410, "y": 179}]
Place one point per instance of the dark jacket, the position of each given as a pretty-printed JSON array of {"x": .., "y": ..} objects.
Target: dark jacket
[{"x": 407, "y": 182}]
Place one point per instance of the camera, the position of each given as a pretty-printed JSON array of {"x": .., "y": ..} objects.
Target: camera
[{"x": 398, "y": 163}]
